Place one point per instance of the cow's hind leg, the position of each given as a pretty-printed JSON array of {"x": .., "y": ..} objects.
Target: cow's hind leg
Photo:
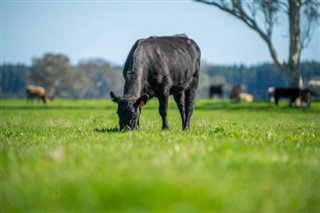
[
  {"x": 189, "y": 102},
  {"x": 163, "y": 108},
  {"x": 180, "y": 100}
]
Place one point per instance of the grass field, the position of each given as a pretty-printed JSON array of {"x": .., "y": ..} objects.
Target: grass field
[{"x": 69, "y": 157}]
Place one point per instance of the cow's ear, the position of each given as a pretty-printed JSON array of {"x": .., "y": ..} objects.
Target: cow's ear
[
  {"x": 141, "y": 101},
  {"x": 114, "y": 98}
]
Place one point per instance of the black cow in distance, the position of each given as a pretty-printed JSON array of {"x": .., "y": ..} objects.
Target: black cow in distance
[
  {"x": 296, "y": 96},
  {"x": 216, "y": 90}
]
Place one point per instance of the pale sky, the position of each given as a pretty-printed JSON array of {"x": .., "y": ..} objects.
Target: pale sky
[{"x": 108, "y": 29}]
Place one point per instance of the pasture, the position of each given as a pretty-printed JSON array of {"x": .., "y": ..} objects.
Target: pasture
[{"x": 238, "y": 157}]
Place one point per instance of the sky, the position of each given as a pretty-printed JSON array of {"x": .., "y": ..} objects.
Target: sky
[{"x": 107, "y": 29}]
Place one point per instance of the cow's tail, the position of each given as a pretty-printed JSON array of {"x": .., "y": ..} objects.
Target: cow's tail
[{"x": 198, "y": 61}]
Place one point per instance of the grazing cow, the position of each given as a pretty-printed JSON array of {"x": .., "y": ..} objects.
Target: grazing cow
[
  {"x": 298, "y": 97},
  {"x": 216, "y": 90},
  {"x": 159, "y": 67},
  {"x": 246, "y": 97},
  {"x": 36, "y": 92}
]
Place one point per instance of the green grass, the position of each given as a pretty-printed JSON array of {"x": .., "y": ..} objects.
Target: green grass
[{"x": 68, "y": 157}]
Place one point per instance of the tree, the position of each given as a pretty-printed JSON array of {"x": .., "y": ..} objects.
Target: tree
[
  {"x": 55, "y": 73},
  {"x": 302, "y": 15},
  {"x": 104, "y": 77},
  {"x": 13, "y": 79}
]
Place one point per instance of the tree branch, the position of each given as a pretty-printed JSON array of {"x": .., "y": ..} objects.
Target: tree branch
[
  {"x": 238, "y": 11},
  {"x": 310, "y": 19}
]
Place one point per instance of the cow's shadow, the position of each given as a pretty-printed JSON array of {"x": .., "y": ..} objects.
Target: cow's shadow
[{"x": 106, "y": 130}]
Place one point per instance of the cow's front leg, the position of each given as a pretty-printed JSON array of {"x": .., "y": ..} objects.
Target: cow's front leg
[{"x": 163, "y": 107}]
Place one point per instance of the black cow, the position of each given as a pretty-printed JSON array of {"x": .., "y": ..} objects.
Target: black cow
[
  {"x": 294, "y": 94},
  {"x": 216, "y": 90},
  {"x": 159, "y": 67}
]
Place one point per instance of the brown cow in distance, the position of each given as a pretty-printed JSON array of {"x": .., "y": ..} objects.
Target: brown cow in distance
[
  {"x": 246, "y": 97},
  {"x": 235, "y": 92},
  {"x": 37, "y": 92}
]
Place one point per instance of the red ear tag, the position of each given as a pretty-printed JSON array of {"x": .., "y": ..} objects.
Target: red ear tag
[{"x": 141, "y": 103}]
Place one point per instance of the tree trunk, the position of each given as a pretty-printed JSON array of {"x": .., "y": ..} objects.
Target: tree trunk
[
  {"x": 248, "y": 13},
  {"x": 293, "y": 67},
  {"x": 294, "y": 78}
]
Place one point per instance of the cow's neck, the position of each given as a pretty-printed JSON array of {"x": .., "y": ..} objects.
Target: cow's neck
[{"x": 132, "y": 88}]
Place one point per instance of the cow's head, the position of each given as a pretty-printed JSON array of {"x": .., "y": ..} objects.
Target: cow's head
[
  {"x": 129, "y": 111},
  {"x": 45, "y": 99}
]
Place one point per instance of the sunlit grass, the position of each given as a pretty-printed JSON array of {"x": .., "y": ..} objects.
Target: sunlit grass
[{"x": 247, "y": 157}]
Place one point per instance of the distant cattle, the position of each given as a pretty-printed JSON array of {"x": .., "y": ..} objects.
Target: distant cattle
[
  {"x": 235, "y": 92},
  {"x": 237, "y": 95},
  {"x": 159, "y": 67},
  {"x": 271, "y": 94},
  {"x": 246, "y": 97},
  {"x": 296, "y": 96},
  {"x": 314, "y": 87},
  {"x": 37, "y": 92},
  {"x": 216, "y": 90}
]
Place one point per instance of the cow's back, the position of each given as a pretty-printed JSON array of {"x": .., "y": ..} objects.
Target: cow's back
[
  {"x": 36, "y": 90},
  {"x": 160, "y": 61},
  {"x": 287, "y": 92}
]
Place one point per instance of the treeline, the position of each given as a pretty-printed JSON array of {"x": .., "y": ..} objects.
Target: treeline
[
  {"x": 91, "y": 78},
  {"x": 94, "y": 78}
]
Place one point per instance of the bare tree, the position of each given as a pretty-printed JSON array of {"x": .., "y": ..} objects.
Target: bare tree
[{"x": 262, "y": 15}]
